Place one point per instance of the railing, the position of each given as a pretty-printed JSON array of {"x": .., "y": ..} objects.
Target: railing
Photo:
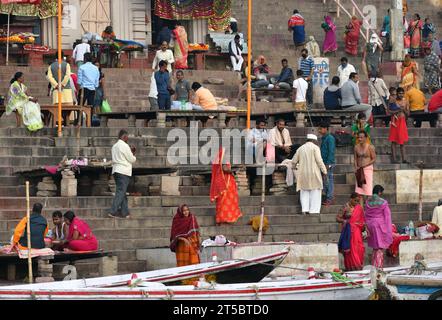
[{"x": 355, "y": 9}]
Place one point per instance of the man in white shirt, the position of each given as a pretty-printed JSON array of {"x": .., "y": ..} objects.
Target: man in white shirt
[
  {"x": 344, "y": 71},
  {"x": 163, "y": 54},
  {"x": 79, "y": 51},
  {"x": 299, "y": 94},
  {"x": 257, "y": 139},
  {"x": 123, "y": 157}
]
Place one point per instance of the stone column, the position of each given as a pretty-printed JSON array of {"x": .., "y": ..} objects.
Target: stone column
[
  {"x": 68, "y": 184},
  {"x": 397, "y": 31},
  {"x": 439, "y": 120},
  {"x": 132, "y": 121},
  {"x": 300, "y": 119},
  {"x": 47, "y": 188},
  {"x": 222, "y": 120},
  {"x": 103, "y": 121},
  {"x": 45, "y": 270},
  {"x": 161, "y": 120}
]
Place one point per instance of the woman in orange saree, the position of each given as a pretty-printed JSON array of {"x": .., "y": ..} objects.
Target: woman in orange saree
[
  {"x": 352, "y": 36},
  {"x": 185, "y": 237},
  {"x": 353, "y": 222},
  {"x": 181, "y": 46},
  {"x": 409, "y": 73},
  {"x": 415, "y": 32},
  {"x": 224, "y": 191}
]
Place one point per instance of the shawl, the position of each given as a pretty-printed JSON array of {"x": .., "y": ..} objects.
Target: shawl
[
  {"x": 296, "y": 20},
  {"x": 182, "y": 227},
  {"x": 82, "y": 227},
  {"x": 220, "y": 182},
  {"x": 345, "y": 239}
]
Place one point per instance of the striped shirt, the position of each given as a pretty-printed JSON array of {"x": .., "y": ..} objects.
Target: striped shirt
[{"x": 306, "y": 65}]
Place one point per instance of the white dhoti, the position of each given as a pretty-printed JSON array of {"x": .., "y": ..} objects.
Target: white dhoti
[
  {"x": 311, "y": 201},
  {"x": 236, "y": 65}
]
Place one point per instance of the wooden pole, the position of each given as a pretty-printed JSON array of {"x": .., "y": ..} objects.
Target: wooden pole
[
  {"x": 60, "y": 61},
  {"x": 28, "y": 231},
  {"x": 263, "y": 197},
  {"x": 7, "y": 39},
  {"x": 249, "y": 64},
  {"x": 421, "y": 187}
]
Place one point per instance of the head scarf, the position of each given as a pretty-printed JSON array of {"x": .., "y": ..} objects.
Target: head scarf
[
  {"x": 375, "y": 41},
  {"x": 220, "y": 182},
  {"x": 329, "y": 21},
  {"x": 182, "y": 227}
]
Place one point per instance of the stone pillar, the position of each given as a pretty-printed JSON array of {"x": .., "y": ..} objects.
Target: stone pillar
[
  {"x": 45, "y": 270},
  {"x": 46, "y": 188},
  {"x": 222, "y": 120},
  {"x": 300, "y": 119},
  {"x": 132, "y": 121},
  {"x": 161, "y": 120},
  {"x": 103, "y": 121},
  {"x": 439, "y": 120},
  {"x": 397, "y": 31},
  {"x": 108, "y": 266},
  {"x": 242, "y": 182},
  {"x": 68, "y": 184},
  {"x": 279, "y": 184}
]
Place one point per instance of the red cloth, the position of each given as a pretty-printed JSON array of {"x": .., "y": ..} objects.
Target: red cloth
[
  {"x": 75, "y": 80},
  {"x": 182, "y": 227},
  {"x": 21, "y": 1},
  {"x": 393, "y": 250},
  {"x": 398, "y": 133},
  {"x": 296, "y": 20},
  {"x": 435, "y": 102},
  {"x": 354, "y": 259},
  {"x": 352, "y": 37},
  {"x": 218, "y": 184}
]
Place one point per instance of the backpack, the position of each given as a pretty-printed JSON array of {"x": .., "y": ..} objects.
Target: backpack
[{"x": 343, "y": 138}]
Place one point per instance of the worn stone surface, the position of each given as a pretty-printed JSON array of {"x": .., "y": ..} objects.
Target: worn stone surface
[{"x": 170, "y": 186}]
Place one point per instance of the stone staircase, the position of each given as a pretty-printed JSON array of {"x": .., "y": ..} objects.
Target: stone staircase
[{"x": 152, "y": 214}]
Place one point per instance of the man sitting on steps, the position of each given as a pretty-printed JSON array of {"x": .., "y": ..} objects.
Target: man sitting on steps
[
  {"x": 351, "y": 97},
  {"x": 279, "y": 137}
]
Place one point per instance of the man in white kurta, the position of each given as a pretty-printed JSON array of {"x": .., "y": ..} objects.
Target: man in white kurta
[
  {"x": 166, "y": 55},
  {"x": 437, "y": 218},
  {"x": 309, "y": 179}
]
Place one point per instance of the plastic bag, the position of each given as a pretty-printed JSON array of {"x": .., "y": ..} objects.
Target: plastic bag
[{"x": 105, "y": 107}]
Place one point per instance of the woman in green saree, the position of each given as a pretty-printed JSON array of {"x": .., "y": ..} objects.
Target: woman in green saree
[{"x": 23, "y": 105}]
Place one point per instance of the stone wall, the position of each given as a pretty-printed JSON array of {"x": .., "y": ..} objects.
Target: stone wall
[
  {"x": 430, "y": 249},
  {"x": 408, "y": 186}
]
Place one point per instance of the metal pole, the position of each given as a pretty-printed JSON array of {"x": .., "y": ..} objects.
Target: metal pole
[
  {"x": 249, "y": 63},
  {"x": 263, "y": 198},
  {"x": 421, "y": 187},
  {"x": 28, "y": 231},
  {"x": 60, "y": 61},
  {"x": 7, "y": 39}
]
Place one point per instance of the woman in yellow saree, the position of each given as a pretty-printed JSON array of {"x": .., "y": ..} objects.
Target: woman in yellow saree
[
  {"x": 23, "y": 105},
  {"x": 224, "y": 191},
  {"x": 181, "y": 46}
]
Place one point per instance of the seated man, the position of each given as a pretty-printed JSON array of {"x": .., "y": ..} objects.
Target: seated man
[
  {"x": 203, "y": 99},
  {"x": 39, "y": 228},
  {"x": 285, "y": 79},
  {"x": 257, "y": 140},
  {"x": 279, "y": 137},
  {"x": 60, "y": 230},
  {"x": 416, "y": 100},
  {"x": 351, "y": 97},
  {"x": 332, "y": 95}
]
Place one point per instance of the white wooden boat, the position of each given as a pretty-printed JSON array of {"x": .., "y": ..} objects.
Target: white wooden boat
[
  {"x": 231, "y": 271},
  {"x": 401, "y": 285},
  {"x": 314, "y": 289}
]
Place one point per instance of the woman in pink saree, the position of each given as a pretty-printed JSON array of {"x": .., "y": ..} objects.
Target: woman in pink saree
[
  {"x": 352, "y": 36},
  {"x": 352, "y": 218},
  {"x": 80, "y": 236},
  {"x": 415, "y": 32},
  {"x": 378, "y": 220},
  {"x": 181, "y": 47},
  {"x": 330, "y": 43}
]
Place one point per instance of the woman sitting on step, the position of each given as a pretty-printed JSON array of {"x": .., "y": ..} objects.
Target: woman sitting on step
[
  {"x": 23, "y": 105},
  {"x": 185, "y": 237},
  {"x": 80, "y": 236}
]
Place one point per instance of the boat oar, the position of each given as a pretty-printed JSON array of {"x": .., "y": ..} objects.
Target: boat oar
[{"x": 28, "y": 231}]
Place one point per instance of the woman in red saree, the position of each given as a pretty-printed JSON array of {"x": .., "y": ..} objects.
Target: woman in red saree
[
  {"x": 352, "y": 36},
  {"x": 181, "y": 46},
  {"x": 353, "y": 215},
  {"x": 415, "y": 32},
  {"x": 409, "y": 73},
  {"x": 185, "y": 237},
  {"x": 80, "y": 236},
  {"x": 224, "y": 191}
]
